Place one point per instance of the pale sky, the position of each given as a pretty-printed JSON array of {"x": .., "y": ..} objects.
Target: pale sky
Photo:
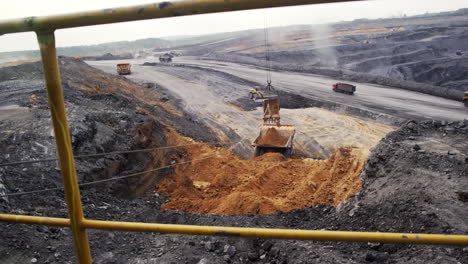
[{"x": 201, "y": 24}]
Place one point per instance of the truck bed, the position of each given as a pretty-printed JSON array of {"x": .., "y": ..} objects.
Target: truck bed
[{"x": 275, "y": 136}]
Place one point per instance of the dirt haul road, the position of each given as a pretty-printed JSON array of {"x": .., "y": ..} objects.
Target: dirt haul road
[
  {"x": 397, "y": 102},
  {"x": 375, "y": 98},
  {"x": 209, "y": 96}
]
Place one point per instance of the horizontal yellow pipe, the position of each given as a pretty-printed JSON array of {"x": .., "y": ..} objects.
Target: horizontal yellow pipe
[
  {"x": 349, "y": 236},
  {"x": 141, "y": 12},
  {"x": 35, "y": 220},
  {"x": 461, "y": 240}
]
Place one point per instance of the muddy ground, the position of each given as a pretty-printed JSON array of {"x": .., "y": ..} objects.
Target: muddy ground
[{"x": 415, "y": 180}]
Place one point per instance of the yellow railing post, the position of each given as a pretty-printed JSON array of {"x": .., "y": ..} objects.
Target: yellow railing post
[
  {"x": 254, "y": 232},
  {"x": 45, "y": 26},
  {"x": 64, "y": 148}
]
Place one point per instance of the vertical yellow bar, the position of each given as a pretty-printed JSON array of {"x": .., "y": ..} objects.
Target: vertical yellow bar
[{"x": 62, "y": 137}]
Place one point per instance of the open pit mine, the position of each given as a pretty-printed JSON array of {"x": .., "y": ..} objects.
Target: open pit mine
[{"x": 361, "y": 131}]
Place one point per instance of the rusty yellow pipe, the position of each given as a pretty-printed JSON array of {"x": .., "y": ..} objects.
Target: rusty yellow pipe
[
  {"x": 35, "y": 220},
  {"x": 322, "y": 235},
  {"x": 460, "y": 240},
  {"x": 45, "y": 26},
  {"x": 64, "y": 148},
  {"x": 141, "y": 12}
]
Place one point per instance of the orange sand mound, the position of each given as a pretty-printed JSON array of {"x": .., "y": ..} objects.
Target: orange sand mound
[
  {"x": 224, "y": 184},
  {"x": 272, "y": 137}
]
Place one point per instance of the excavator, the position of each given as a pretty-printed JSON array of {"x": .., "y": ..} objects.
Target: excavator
[
  {"x": 273, "y": 136},
  {"x": 256, "y": 94}
]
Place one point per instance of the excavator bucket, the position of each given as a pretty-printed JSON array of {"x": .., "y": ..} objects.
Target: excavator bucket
[
  {"x": 271, "y": 107},
  {"x": 273, "y": 136}
]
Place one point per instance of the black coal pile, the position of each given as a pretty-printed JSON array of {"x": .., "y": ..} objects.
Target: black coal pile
[
  {"x": 414, "y": 181},
  {"x": 109, "y": 56},
  {"x": 426, "y": 53}
]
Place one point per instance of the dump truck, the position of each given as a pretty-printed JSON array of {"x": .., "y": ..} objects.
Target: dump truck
[
  {"x": 124, "y": 68},
  {"x": 465, "y": 99},
  {"x": 344, "y": 88},
  {"x": 165, "y": 58},
  {"x": 273, "y": 136}
]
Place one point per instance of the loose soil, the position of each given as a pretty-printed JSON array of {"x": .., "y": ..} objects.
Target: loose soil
[
  {"x": 415, "y": 181},
  {"x": 273, "y": 138},
  {"x": 225, "y": 184}
]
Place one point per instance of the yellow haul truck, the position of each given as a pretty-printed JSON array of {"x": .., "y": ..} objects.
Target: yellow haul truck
[
  {"x": 124, "y": 68},
  {"x": 465, "y": 99}
]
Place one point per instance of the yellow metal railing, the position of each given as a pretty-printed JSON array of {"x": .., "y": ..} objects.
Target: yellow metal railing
[{"x": 45, "y": 27}]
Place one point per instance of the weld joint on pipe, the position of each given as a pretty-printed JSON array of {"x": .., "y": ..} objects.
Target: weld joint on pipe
[
  {"x": 30, "y": 21},
  {"x": 45, "y": 38}
]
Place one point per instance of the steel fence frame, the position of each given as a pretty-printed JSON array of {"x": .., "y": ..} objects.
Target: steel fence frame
[{"x": 45, "y": 27}]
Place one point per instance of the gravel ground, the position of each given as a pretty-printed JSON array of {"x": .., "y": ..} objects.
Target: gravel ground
[{"x": 414, "y": 181}]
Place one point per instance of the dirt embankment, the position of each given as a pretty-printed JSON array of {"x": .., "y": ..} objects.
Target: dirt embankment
[
  {"x": 109, "y": 56},
  {"x": 225, "y": 184},
  {"x": 423, "y": 54},
  {"x": 415, "y": 181},
  {"x": 106, "y": 113},
  {"x": 345, "y": 74}
]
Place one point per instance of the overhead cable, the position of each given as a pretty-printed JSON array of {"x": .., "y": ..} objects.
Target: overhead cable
[
  {"x": 100, "y": 154},
  {"x": 106, "y": 180}
]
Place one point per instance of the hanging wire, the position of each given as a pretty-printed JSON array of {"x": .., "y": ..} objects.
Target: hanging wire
[
  {"x": 121, "y": 177},
  {"x": 267, "y": 50},
  {"x": 102, "y": 154},
  {"x": 106, "y": 180}
]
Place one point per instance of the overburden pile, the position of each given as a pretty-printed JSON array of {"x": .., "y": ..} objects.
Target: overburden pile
[
  {"x": 225, "y": 184},
  {"x": 415, "y": 180}
]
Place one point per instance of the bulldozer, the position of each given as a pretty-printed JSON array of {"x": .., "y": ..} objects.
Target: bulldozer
[
  {"x": 273, "y": 136},
  {"x": 166, "y": 57},
  {"x": 124, "y": 68},
  {"x": 465, "y": 99},
  {"x": 256, "y": 94}
]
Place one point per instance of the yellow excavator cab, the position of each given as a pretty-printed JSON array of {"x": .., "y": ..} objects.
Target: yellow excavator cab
[
  {"x": 255, "y": 94},
  {"x": 253, "y": 91}
]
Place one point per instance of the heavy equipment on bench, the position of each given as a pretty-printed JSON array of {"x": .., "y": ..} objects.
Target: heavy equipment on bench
[{"x": 273, "y": 136}]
